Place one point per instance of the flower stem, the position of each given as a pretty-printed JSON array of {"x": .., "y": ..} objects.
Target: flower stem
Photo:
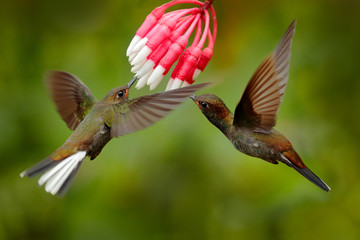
[{"x": 206, "y": 5}]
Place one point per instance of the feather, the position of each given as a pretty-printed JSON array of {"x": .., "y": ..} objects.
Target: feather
[
  {"x": 262, "y": 97},
  {"x": 57, "y": 175},
  {"x": 307, "y": 173},
  {"x": 72, "y": 98},
  {"x": 39, "y": 168},
  {"x": 145, "y": 111}
]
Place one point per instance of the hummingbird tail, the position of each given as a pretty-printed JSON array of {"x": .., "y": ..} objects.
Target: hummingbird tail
[
  {"x": 57, "y": 174},
  {"x": 288, "y": 159}
]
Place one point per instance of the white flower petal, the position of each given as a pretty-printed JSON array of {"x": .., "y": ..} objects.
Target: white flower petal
[
  {"x": 157, "y": 73},
  {"x": 139, "y": 45},
  {"x": 142, "y": 81},
  {"x": 155, "y": 84},
  {"x": 170, "y": 83},
  {"x": 132, "y": 56},
  {"x": 176, "y": 84},
  {"x": 149, "y": 64},
  {"x": 137, "y": 67},
  {"x": 141, "y": 56},
  {"x": 196, "y": 73},
  {"x": 133, "y": 42}
]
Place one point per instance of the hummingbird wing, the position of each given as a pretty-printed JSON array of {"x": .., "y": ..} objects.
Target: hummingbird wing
[
  {"x": 260, "y": 102},
  {"x": 145, "y": 111},
  {"x": 72, "y": 98}
]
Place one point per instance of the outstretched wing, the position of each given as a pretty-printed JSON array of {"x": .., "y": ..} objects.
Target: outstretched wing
[
  {"x": 260, "y": 102},
  {"x": 145, "y": 111},
  {"x": 72, "y": 98}
]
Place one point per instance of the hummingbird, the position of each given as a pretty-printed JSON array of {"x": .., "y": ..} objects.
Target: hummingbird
[
  {"x": 250, "y": 128},
  {"x": 95, "y": 123}
]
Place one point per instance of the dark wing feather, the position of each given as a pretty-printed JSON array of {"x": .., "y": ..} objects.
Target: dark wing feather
[
  {"x": 260, "y": 102},
  {"x": 145, "y": 111},
  {"x": 72, "y": 98}
]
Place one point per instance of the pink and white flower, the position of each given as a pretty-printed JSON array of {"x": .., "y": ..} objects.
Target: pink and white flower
[{"x": 163, "y": 38}]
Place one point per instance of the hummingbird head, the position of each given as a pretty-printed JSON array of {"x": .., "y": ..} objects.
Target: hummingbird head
[
  {"x": 212, "y": 107},
  {"x": 120, "y": 94}
]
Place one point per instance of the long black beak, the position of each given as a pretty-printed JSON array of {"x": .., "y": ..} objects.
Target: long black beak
[{"x": 132, "y": 82}]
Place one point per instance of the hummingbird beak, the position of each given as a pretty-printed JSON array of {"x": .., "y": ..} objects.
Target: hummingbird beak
[{"x": 132, "y": 82}]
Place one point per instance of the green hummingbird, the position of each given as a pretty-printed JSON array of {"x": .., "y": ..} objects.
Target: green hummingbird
[
  {"x": 95, "y": 123},
  {"x": 250, "y": 128}
]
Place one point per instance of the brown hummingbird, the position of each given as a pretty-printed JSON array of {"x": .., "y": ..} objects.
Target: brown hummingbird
[
  {"x": 250, "y": 128},
  {"x": 95, "y": 123}
]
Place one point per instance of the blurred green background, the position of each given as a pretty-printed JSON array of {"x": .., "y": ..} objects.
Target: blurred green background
[{"x": 181, "y": 178}]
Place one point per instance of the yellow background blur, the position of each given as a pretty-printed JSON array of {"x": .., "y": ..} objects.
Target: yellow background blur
[{"x": 181, "y": 178}]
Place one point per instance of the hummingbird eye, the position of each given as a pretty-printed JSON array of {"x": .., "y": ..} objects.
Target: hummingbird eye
[
  {"x": 203, "y": 104},
  {"x": 120, "y": 93}
]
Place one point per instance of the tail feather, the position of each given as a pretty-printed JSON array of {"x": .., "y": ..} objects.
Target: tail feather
[
  {"x": 53, "y": 172},
  {"x": 39, "y": 168},
  {"x": 307, "y": 173},
  {"x": 57, "y": 174},
  {"x": 65, "y": 186}
]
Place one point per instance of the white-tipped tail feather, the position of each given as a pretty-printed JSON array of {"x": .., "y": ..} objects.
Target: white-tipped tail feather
[
  {"x": 55, "y": 177},
  {"x": 57, "y": 174}
]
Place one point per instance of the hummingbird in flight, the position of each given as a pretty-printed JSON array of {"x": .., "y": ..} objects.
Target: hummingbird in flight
[
  {"x": 250, "y": 128},
  {"x": 95, "y": 123}
]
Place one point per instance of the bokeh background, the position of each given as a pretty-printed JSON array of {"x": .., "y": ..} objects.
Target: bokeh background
[{"x": 181, "y": 178}]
